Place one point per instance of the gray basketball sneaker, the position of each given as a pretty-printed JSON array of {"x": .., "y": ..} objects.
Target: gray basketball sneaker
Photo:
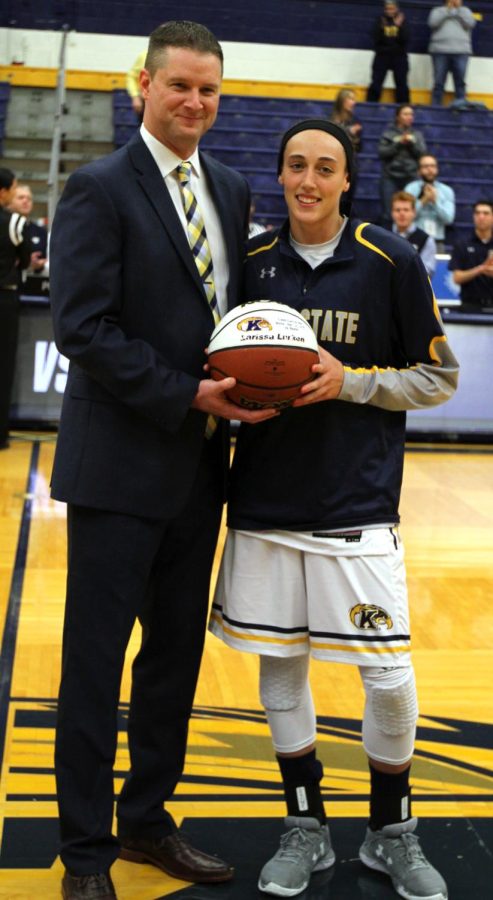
[
  {"x": 395, "y": 850},
  {"x": 306, "y": 848}
]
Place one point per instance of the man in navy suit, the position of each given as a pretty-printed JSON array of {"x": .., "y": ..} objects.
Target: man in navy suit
[{"x": 144, "y": 485}]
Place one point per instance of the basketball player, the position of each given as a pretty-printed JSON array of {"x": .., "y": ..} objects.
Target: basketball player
[{"x": 313, "y": 562}]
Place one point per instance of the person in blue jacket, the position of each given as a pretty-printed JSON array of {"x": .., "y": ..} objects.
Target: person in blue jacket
[{"x": 313, "y": 562}]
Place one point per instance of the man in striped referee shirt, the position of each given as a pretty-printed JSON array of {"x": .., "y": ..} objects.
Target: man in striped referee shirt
[{"x": 14, "y": 256}]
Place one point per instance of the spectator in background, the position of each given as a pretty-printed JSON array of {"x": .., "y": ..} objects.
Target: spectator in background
[
  {"x": 435, "y": 201},
  {"x": 472, "y": 261},
  {"x": 450, "y": 47},
  {"x": 343, "y": 115},
  {"x": 391, "y": 37},
  {"x": 132, "y": 84},
  {"x": 14, "y": 256},
  {"x": 37, "y": 235},
  {"x": 403, "y": 217},
  {"x": 399, "y": 148}
]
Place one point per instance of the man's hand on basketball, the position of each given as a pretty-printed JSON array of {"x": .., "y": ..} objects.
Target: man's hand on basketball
[
  {"x": 327, "y": 384},
  {"x": 211, "y": 398}
]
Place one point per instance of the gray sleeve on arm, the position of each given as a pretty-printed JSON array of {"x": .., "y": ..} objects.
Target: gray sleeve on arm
[
  {"x": 399, "y": 389},
  {"x": 437, "y": 16},
  {"x": 466, "y": 18}
]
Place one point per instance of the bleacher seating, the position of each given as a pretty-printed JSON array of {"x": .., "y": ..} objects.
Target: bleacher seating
[
  {"x": 247, "y": 132},
  {"x": 27, "y": 130},
  {"x": 311, "y": 23},
  {"x": 248, "y": 129}
]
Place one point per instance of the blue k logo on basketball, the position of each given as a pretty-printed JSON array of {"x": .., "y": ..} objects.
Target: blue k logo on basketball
[{"x": 254, "y": 323}]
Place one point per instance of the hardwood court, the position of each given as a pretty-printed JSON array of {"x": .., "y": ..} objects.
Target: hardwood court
[{"x": 230, "y": 796}]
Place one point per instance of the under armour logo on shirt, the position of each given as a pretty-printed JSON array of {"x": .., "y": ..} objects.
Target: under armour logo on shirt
[{"x": 270, "y": 272}]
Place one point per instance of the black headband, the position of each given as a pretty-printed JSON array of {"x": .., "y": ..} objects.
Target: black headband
[{"x": 318, "y": 125}]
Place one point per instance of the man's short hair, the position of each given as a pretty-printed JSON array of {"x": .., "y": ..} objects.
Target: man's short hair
[
  {"x": 186, "y": 34},
  {"x": 483, "y": 203},
  {"x": 7, "y": 178},
  {"x": 427, "y": 156},
  {"x": 404, "y": 197}
]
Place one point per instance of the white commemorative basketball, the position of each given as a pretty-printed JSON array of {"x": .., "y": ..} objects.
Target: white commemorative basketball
[{"x": 269, "y": 348}]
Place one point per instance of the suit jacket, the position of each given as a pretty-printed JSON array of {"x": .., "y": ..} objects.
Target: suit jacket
[{"x": 129, "y": 311}]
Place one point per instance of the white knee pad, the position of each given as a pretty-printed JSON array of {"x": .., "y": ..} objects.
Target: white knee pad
[
  {"x": 391, "y": 713},
  {"x": 286, "y": 696}
]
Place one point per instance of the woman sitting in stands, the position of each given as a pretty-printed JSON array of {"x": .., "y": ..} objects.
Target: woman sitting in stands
[
  {"x": 343, "y": 115},
  {"x": 399, "y": 148}
]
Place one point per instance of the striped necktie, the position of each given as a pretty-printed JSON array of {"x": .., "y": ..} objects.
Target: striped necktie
[
  {"x": 197, "y": 238},
  {"x": 199, "y": 246}
]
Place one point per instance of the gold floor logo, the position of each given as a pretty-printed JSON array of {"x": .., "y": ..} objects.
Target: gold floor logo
[{"x": 231, "y": 769}]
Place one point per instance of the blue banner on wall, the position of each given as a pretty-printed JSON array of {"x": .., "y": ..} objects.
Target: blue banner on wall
[{"x": 444, "y": 288}]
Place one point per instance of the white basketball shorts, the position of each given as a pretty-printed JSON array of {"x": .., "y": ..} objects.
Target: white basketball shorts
[{"x": 340, "y": 597}]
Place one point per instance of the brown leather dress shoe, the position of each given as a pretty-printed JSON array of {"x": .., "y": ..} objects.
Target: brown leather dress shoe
[
  {"x": 175, "y": 856},
  {"x": 88, "y": 887}
]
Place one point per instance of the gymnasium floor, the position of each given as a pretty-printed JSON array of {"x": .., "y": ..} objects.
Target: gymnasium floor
[{"x": 230, "y": 798}]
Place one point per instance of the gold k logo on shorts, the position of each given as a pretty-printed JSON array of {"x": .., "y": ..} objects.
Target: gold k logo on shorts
[{"x": 367, "y": 615}]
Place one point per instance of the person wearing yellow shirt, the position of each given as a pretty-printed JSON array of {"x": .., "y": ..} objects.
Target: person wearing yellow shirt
[{"x": 133, "y": 86}]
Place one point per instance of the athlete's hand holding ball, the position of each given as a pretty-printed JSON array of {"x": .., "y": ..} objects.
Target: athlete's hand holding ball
[{"x": 327, "y": 384}]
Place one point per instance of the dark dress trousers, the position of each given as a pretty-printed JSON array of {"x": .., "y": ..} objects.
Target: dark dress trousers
[{"x": 144, "y": 487}]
